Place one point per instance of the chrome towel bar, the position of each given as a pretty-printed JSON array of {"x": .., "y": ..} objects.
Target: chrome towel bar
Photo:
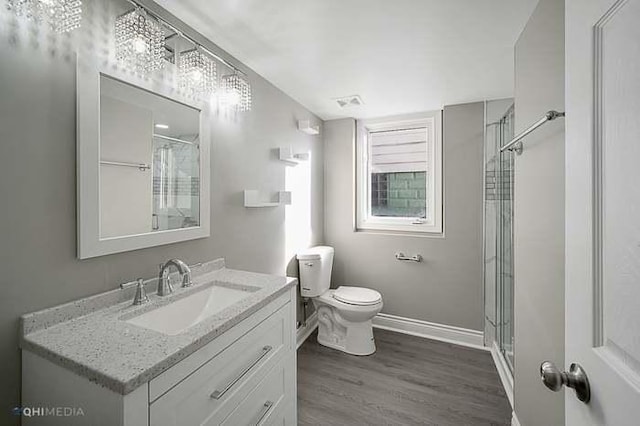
[
  {"x": 414, "y": 258},
  {"x": 516, "y": 142},
  {"x": 140, "y": 166}
]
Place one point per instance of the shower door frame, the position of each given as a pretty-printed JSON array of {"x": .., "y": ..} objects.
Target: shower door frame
[
  {"x": 500, "y": 238},
  {"x": 493, "y": 323}
]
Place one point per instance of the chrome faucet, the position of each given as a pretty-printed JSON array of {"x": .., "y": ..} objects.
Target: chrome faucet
[{"x": 164, "y": 284}]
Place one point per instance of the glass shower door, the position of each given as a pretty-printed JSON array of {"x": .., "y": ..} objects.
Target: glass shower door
[
  {"x": 498, "y": 244},
  {"x": 504, "y": 269}
]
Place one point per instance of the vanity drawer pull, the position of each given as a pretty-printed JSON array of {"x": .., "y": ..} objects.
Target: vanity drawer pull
[
  {"x": 265, "y": 409},
  {"x": 220, "y": 393}
]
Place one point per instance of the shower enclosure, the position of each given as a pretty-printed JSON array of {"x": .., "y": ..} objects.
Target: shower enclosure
[
  {"x": 176, "y": 182},
  {"x": 498, "y": 235}
]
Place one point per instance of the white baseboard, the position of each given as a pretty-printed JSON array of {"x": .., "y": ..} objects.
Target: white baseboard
[
  {"x": 304, "y": 332},
  {"x": 430, "y": 330},
  {"x": 503, "y": 371},
  {"x": 514, "y": 419}
]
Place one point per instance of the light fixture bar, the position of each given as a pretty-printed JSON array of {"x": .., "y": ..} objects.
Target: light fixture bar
[{"x": 190, "y": 39}]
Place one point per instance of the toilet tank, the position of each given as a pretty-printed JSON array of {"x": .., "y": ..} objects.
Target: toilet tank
[{"x": 315, "y": 270}]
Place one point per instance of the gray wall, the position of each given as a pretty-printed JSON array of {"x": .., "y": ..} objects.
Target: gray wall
[
  {"x": 539, "y": 215},
  {"x": 38, "y": 187},
  {"x": 447, "y": 287}
]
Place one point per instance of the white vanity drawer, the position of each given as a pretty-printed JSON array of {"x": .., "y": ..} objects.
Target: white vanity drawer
[
  {"x": 269, "y": 402},
  {"x": 212, "y": 391}
]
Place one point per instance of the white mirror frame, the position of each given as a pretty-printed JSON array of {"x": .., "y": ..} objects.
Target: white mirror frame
[{"x": 88, "y": 167}]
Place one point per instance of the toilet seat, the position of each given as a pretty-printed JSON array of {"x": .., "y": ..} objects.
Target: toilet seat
[{"x": 359, "y": 296}]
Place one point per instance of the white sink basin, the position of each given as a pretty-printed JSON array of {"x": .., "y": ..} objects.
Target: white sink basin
[{"x": 188, "y": 311}]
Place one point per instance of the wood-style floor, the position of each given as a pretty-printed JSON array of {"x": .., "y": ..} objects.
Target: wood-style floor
[{"x": 408, "y": 381}]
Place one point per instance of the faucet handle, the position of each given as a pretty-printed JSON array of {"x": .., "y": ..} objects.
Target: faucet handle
[{"x": 141, "y": 296}]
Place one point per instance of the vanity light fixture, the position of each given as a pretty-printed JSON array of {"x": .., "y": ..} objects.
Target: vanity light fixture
[
  {"x": 198, "y": 72},
  {"x": 140, "y": 38},
  {"x": 162, "y": 126},
  {"x": 139, "y": 41},
  {"x": 236, "y": 92},
  {"x": 63, "y": 15}
]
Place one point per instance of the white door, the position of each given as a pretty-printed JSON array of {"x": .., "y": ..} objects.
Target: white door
[{"x": 602, "y": 291}]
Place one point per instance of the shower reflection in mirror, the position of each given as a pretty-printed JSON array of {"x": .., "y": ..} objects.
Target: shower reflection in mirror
[{"x": 176, "y": 186}]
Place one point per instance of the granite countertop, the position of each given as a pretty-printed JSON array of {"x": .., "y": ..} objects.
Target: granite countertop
[{"x": 91, "y": 338}]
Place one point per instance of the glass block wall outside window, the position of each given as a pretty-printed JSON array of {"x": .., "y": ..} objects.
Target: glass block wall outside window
[{"x": 399, "y": 194}]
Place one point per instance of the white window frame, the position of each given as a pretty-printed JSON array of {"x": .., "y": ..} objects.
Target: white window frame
[{"x": 432, "y": 224}]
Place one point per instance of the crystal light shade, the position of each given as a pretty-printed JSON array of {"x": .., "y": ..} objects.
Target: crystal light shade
[
  {"x": 63, "y": 15},
  {"x": 236, "y": 92},
  {"x": 198, "y": 73},
  {"x": 139, "y": 41}
]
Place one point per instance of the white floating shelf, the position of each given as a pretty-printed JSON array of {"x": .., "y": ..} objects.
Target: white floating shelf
[
  {"x": 286, "y": 154},
  {"x": 253, "y": 199},
  {"x": 306, "y": 127}
]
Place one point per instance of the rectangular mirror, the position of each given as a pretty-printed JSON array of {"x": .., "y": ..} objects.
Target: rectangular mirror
[{"x": 142, "y": 163}]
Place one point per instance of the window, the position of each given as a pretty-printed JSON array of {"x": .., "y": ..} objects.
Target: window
[{"x": 399, "y": 174}]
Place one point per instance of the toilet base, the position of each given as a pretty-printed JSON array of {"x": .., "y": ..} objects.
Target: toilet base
[{"x": 351, "y": 338}]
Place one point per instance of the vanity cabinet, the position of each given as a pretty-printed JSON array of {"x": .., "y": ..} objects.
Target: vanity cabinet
[{"x": 245, "y": 376}]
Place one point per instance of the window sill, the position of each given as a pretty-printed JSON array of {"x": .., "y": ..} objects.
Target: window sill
[{"x": 399, "y": 233}]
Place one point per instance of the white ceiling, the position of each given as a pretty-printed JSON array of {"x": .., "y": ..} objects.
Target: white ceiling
[{"x": 399, "y": 55}]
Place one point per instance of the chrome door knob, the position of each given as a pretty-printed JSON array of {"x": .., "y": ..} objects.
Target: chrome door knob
[{"x": 575, "y": 378}]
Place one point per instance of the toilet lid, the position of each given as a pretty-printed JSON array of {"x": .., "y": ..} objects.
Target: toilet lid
[{"x": 357, "y": 295}]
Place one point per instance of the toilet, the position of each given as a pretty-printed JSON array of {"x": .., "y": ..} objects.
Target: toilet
[{"x": 344, "y": 314}]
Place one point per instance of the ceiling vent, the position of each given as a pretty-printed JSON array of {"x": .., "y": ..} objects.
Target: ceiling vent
[{"x": 349, "y": 101}]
